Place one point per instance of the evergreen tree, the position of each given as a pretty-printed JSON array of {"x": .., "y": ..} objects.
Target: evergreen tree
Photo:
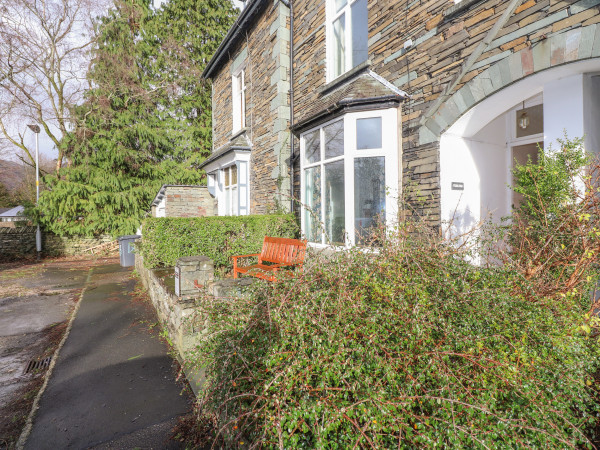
[{"x": 145, "y": 121}]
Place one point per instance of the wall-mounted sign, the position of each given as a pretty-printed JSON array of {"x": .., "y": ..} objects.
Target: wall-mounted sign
[{"x": 458, "y": 186}]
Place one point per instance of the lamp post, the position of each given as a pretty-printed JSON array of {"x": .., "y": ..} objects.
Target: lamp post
[{"x": 38, "y": 233}]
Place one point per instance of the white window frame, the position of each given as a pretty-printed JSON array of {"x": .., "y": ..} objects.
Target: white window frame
[
  {"x": 238, "y": 101},
  {"x": 216, "y": 182},
  {"x": 389, "y": 149},
  {"x": 332, "y": 16}
]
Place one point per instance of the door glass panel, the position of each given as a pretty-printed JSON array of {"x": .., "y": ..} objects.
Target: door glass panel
[
  {"x": 339, "y": 50},
  {"x": 335, "y": 211},
  {"x": 312, "y": 196},
  {"x": 530, "y": 121},
  {"x": 522, "y": 154},
  {"x": 368, "y": 133},
  {"x": 334, "y": 139},
  {"x": 312, "y": 147},
  {"x": 360, "y": 32},
  {"x": 369, "y": 197}
]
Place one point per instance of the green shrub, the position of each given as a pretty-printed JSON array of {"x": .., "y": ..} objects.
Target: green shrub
[
  {"x": 415, "y": 346},
  {"x": 166, "y": 239},
  {"x": 412, "y": 347}
]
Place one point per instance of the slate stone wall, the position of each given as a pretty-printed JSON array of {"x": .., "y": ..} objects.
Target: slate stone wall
[
  {"x": 20, "y": 241},
  {"x": 538, "y": 35},
  {"x": 265, "y": 54},
  {"x": 189, "y": 201}
]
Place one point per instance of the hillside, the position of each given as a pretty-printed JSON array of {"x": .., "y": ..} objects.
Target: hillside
[{"x": 11, "y": 174}]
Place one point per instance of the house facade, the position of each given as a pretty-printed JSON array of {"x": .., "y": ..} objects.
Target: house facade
[{"x": 431, "y": 101}]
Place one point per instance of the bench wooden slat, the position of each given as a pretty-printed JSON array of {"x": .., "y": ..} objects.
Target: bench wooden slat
[{"x": 281, "y": 252}]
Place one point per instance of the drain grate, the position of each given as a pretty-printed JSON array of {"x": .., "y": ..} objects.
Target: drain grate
[{"x": 38, "y": 364}]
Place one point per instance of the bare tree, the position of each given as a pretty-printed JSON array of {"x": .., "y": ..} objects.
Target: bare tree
[{"x": 44, "y": 56}]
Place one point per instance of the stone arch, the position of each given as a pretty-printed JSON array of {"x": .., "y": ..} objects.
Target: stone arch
[{"x": 571, "y": 46}]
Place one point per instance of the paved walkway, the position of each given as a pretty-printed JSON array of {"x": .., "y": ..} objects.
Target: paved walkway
[{"x": 113, "y": 384}]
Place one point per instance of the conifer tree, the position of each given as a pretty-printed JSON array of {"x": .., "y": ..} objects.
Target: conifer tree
[{"x": 146, "y": 119}]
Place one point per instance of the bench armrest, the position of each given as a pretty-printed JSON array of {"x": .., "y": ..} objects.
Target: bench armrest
[{"x": 245, "y": 256}]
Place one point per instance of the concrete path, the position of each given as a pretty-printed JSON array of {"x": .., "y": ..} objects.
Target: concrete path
[{"x": 113, "y": 384}]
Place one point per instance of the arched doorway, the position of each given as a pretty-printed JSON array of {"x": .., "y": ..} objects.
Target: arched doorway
[{"x": 479, "y": 150}]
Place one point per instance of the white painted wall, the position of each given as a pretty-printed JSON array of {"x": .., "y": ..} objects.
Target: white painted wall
[
  {"x": 161, "y": 207},
  {"x": 563, "y": 110},
  {"x": 480, "y": 162},
  {"x": 591, "y": 114}
]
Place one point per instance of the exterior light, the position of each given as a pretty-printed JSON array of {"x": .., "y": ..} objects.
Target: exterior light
[{"x": 523, "y": 119}]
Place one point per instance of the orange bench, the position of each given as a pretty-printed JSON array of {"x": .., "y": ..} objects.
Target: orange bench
[{"x": 278, "y": 252}]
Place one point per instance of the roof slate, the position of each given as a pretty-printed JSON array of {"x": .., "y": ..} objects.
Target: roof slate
[
  {"x": 240, "y": 142},
  {"x": 13, "y": 212},
  {"x": 365, "y": 88}
]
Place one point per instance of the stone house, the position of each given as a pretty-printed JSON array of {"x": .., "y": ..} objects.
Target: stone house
[
  {"x": 429, "y": 100},
  {"x": 183, "y": 201}
]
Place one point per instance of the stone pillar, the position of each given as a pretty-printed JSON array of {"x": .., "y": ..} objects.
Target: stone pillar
[{"x": 189, "y": 269}]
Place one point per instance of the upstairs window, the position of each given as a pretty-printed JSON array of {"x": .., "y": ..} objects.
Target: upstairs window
[
  {"x": 348, "y": 33},
  {"x": 239, "y": 101}
]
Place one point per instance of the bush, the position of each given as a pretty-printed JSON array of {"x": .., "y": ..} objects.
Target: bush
[
  {"x": 411, "y": 347},
  {"x": 414, "y": 346},
  {"x": 166, "y": 239}
]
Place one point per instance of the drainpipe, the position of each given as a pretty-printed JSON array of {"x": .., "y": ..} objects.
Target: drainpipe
[{"x": 290, "y": 5}]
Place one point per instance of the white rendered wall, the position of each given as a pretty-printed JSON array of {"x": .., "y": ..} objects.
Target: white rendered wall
[
  {"x": 480, "y": 163},
  {"x": 563, "y": 110},
  {"x": 161, "y": 207},
  {"x": 592, "y": 113}
]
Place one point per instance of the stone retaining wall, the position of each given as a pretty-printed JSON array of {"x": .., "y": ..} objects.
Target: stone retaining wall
[
  {"x": 180, "y": 316},
  {"x": 176, "y": 314},
  {"x": 20, "y": 241}
]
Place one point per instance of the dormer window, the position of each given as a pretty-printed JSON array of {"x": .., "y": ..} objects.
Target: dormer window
[
  {"x": 348, "y": 33},
  {"x": 239, "y": 100}
]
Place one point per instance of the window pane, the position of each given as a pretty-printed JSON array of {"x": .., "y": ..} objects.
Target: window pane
[
  {"x": 368, "y": 133},
  {"x": 369, "y": 197},
  {"x": 226, "y": 173},
  {"x": 234, "y": 177},
  {"x": 532, "y": 119},
  {"x": 334, "y": 139},
  {"x": 339, "y": 46},
  {"x": 234, "y": 205},
  {"x": 335, "y": 211},
  {"x": 227, "y": 201},
  {"x": 339, "y": 4},
  {"x": 312, "y": 196},
  {"x": 360, "y": 32},
  {"x": 312, "y": 147}
]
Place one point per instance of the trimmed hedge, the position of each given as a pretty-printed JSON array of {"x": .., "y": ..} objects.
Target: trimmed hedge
[{"x": 166, "y": 239}]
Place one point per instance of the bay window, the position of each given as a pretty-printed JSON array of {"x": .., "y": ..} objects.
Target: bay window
[
  {"x": 228, "y": 180},
  {"x": 348, "y": 33},
  {"x": 349, "y": 177}
]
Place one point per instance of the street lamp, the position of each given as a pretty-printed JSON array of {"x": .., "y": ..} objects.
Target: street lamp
[{"x": 38, "y": 233}]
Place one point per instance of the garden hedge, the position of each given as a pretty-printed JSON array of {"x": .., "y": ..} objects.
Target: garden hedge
[{"x": 166, "y": 239}]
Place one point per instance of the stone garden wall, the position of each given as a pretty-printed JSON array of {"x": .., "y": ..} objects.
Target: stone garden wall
[{"x": 20, "y": 241}]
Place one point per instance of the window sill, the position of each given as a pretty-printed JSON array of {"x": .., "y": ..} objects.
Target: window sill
[
  {"x": 459, "y": 7},
  {"x": 344, "y": 77}
]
